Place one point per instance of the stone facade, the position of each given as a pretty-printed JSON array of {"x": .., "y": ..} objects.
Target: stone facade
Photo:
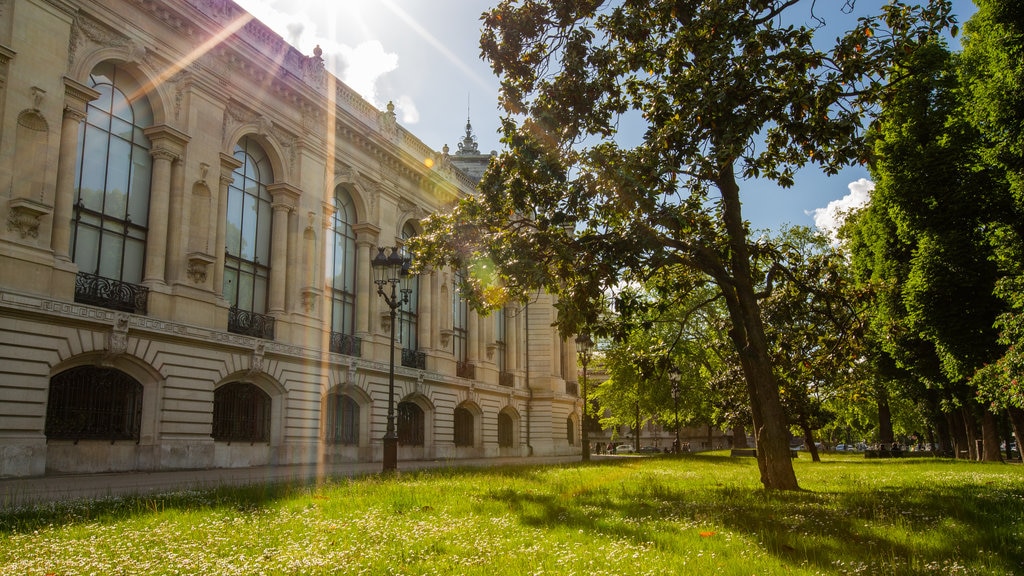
[{"x": 150, "y": 321}]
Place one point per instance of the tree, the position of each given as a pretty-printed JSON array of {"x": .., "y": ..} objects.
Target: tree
[
  {"x": 814, "y": 317},
  {"x": 725, "y": 90}
]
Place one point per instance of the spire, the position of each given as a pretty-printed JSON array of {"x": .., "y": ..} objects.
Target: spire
[{"x": 468, "y": 144}]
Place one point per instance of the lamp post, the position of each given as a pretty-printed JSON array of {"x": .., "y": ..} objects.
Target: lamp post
[
  {"x": 584, "y": 345},
  {"x": 390, "y": 268},
  {"x": 674, "y": 377}
]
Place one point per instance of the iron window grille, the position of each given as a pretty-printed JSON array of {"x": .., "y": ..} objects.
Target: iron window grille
[
  {"x": 250, "y": 323},
  {"x": 410, "y": 424},
  {"x": 343, "y": 420},
  {"x": 241, "y": 413},
  {"x": 346, "y": 344},
  {"x": 414, "y": 359},
  {"x": 92, "y": 403},
  {"x": 113, "y": 294},
  {"x": 505, "y": 430},
  {"x": 463, "y": 427}
]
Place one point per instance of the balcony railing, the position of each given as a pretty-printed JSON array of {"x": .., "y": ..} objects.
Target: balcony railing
[
  {"x": 414, "y": 359},
  {"x": 108, "y": 293},
  {"x": 346, "y": 344},
  {"x": 250, "y": 323},
  {"x": 572, "y": 388},
  {"x": 465, "y": 370},
  {"x": 506, "y": 379}
]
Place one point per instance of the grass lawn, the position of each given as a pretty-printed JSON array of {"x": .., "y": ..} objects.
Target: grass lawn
[{"x": 696, "y": 514}]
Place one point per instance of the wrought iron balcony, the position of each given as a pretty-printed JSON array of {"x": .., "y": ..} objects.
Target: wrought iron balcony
[
  {"x": 108, "y": 293},
  {"x": 465, "y": 370},
  {"x": 250, "y": 323},
  {"x": 572, "y": 388},
  {"x": 414, "y": 359},
  {"x": 346, "y": 344},
  {"x": 507, "y": 379}
]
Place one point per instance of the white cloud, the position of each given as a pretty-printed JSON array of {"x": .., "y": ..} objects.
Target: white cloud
[
  {"x": 410, "y": 114},
  {"x": 357, "y": 66},
  {"x": 831, "y": 217}
]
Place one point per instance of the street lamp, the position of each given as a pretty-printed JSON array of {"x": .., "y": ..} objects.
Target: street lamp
[
  {"x": 390, "y": 267},
  {"x": 584, "y": 346},
  {"x": 674, "y": 377}
]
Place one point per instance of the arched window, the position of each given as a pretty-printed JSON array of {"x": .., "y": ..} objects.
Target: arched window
[
  {"x": 343, "y": 274},
  {"x": 570, "y": 431},
  {"x": 506, "y": 432},
  {"x": 92, "y": 403},
  {"x": 249, "y": 217},
  {"x": 342, "y": 420},
  {"x": 241, "y": 413},
  {"x": 407, "y": 314},
  {"x": 111, "y": 212},
  {"x": 463, "y": 427},
  {"x": 410, "y": 424}
]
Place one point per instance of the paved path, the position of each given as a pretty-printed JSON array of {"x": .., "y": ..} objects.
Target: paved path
[{"x": 15, "y": 492}]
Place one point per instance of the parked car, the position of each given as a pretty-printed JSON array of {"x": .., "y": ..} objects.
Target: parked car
[
  {"x": 623, "y": 449},
  {"x": 650, "y": 450}
]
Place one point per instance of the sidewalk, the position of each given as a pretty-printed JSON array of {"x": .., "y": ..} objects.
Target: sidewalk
[{"x": 15, "y": 492}]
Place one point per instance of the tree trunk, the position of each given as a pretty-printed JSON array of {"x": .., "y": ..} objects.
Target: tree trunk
[
  {"x": 958, "y": 434},
  {"x": 739, "y": 436},
  {"x": 1017, "y": 422},
  {"x": 809, "y": 440},
  {"x": 771, "y": 431},
  {"x": 990, "y": 438},
  {"x": 885, "y": 435}
]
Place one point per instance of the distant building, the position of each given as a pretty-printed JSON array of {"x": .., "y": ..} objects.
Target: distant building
[{"x": 191, "y": 210}]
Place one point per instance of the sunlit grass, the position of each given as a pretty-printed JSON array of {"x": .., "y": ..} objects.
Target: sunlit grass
[{"x": 698, "y": 514}]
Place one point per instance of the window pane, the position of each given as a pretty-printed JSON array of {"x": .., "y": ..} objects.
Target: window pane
[
  {"x": 118, "y": 167},
  {"x": 231, "y": 286},
  {"x": 87, "y": 248},
  {"x": 264, "y": 232},
  {"x": 234, "y": 225},
  {"x": 245, "y": 291},
  {"x": 134, "y": 258},
  {"x": 138, "y": 200},
  {"x": 248, "y": 247},
  {"x": 112, "y": 251},
  {"x": 92, "y": 172},
  {"x": 259, "y": 302}
]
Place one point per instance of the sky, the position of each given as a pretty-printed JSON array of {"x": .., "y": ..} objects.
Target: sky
[{"x": 424, "y": 56}]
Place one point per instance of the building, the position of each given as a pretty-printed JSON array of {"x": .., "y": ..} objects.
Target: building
[{"x": 192, "y": 207}]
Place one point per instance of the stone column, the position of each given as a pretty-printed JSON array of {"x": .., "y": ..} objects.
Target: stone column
[
  {"x": 426, "y": 310},
  {"x": 167, "y": 145},
  {"x": 228, "y": 164},
  {"x": 285, "y": 200},
  {"x": 473, "y": 326},
  {"x": 366, "y": 291},
  {"x": 177, "y": 225},
  {"x": 511, "y": 338},
  {"x": 76, "y": 97}
]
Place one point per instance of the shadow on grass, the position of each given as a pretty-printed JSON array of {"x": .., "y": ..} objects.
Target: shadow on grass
[{"x": 894, "y": 530}]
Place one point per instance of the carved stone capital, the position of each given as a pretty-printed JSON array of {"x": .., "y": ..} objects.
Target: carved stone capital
[{"x": 24, "y": 216}]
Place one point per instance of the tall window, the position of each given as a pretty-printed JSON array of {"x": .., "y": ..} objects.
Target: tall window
[
  {"x": 570, "y": 431},
  {"x": 410, "y": 424},
  {"x": 463, "y": 427},
  {"x": 247, "y": 265},
  {"x": 112, "y": 179},
  {"x": 343, "y": 274},
  {"x": 407, "y": 314},
  {"x": 91, "y": 403},
  {"x": 241, "y": 413},
  {"x": 342, "y": 420},
  {"x": 460, "y": 321}
]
